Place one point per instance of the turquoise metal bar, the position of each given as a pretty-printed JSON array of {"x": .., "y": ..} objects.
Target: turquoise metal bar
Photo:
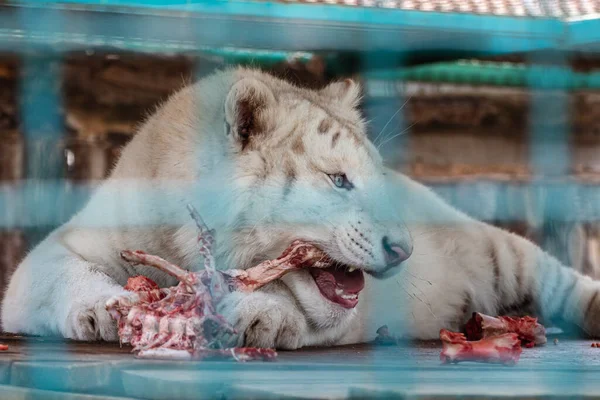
[
  {"x": 326, "y": 13},
  {"x": 420, "y": 30},
  {"x": 584, "y": 34},
  {"x": 42, "y": 128},
  {"x": 188, "y": 27},
  {"x": 21, "y": 204}
]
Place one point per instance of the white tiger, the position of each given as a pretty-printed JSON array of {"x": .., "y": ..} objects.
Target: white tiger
[{"x": 266, "y": 163}]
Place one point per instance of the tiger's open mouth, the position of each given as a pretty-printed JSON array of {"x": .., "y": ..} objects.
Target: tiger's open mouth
[{"x": 339, "y": 283}]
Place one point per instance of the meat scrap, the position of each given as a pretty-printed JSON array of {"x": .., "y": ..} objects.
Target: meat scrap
[
  {"x": 492, "y": 339},
  {"x": 181, "y": 322},
  {"x": 530, "y": 332},
  {"x": 501, "y": 349},
  {"x": 384, "y": 338},
  {"x": 141, "y": 283}
]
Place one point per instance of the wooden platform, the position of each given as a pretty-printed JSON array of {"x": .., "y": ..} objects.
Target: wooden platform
[{"x": 45, "y": 369}]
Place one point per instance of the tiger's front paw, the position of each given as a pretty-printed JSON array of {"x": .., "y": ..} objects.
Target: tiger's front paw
[
  {"x": 90, "y": 322},
  {"x": 265, "y": 320}
]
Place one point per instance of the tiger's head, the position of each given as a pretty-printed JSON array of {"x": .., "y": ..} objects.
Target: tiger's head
[{"x": 302, "y": 167}]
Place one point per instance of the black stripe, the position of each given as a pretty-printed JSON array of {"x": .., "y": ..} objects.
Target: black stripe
[
  {"x": 519, "y": 308},
  {"x": 496, "y": 267},
  {"x": 290, "y": 178},
  {"x": 519, "y": 268},
  {"x": 588, "y": 310},
  {"x": 566, "y": 294},
  {"x": 335, "y": 139},
  {"x": 325, "y": 125},
  {"x": 465, "y": 309},
  {"x": 556, "y": 286}
]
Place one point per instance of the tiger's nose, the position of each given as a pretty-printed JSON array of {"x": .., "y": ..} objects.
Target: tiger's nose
[{"x": 394, "y": 253}]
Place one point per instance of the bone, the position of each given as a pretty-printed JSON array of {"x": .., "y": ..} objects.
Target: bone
[
  {"x": 165, "y": 354},
  {"x": 297, "y": 256},
  {"x": 205, "y": 239},
  {"x": 139, "y": 257},
  {"x": 502, "y": 349}
]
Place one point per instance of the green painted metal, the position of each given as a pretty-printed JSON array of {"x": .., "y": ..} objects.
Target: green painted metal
[{"x": 472, "y": 72}]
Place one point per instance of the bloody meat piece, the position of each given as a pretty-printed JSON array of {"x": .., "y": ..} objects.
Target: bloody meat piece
[
  {"x": 141, "y": 284},
  {"x": 482, "y": 326},
  {"x": 181, "y": 322},
  {"x": 502, "y": 349},
  {"x": 3, "y": 347},
  {"x": 447, "y": 336}
]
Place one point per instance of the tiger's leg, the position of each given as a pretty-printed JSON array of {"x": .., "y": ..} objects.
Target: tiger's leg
[{"x": 525, "y": 279}]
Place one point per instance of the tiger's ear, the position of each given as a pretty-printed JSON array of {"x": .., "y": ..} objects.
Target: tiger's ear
[
  {"x": 346, "y": 92},
  {"x": 244, "y": 106}
]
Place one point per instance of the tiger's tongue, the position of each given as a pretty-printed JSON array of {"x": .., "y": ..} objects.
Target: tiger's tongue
[{"x": 339, "y": 285}]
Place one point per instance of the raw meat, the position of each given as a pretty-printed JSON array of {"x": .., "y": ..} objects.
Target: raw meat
[
  {"x": 141, "y": 284},
  {"x": 181, "y": 322},
  {"x": 501, "y": 349},
  {"x": 482, "y": 326}
]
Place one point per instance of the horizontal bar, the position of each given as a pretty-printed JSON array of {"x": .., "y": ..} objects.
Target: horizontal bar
[
  {"x": 584, "y": 34},
  {"x": 131, "y": 25},
  {"x": 49, "y": 203}
]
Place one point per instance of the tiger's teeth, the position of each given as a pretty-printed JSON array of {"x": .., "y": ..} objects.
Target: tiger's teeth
[
  {"x": 351, "y": 269},
  {"x": 343, "y": 295}
]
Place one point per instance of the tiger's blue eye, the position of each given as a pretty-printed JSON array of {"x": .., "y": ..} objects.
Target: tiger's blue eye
[
  {"x": 341, "y": 181},
  {"x": 338, "y": 180}
]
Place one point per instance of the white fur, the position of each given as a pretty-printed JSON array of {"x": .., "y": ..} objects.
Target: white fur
[{"x": 259, "y": 199}]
